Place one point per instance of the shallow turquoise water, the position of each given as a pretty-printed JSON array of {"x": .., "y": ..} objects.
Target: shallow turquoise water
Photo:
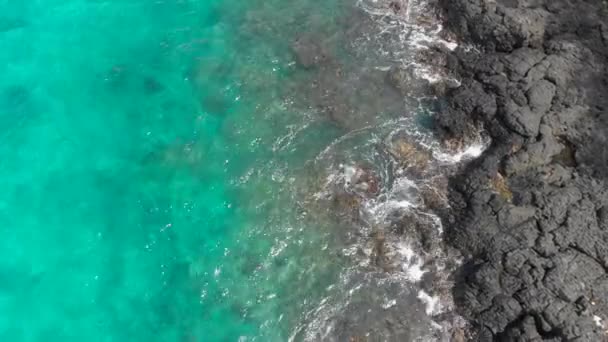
[
  {"x": 161, "y": 164},
  {"x": 143, "y": 192}
]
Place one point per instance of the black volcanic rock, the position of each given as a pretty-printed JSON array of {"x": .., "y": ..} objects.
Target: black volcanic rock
[{"x": 537, "y": 241}]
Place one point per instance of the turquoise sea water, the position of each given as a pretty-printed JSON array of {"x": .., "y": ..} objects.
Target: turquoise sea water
[
  {"x": 145, "y": 192},
  {"x": 155, "y": 166}
]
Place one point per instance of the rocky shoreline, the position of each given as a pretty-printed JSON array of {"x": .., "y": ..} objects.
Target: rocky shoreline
[{"x": 531, "y": 214}]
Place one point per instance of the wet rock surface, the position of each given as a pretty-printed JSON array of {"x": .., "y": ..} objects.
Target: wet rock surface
[{"x": 531, "y": 211}]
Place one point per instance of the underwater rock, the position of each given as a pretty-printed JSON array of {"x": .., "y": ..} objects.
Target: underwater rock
[
  {"x": 152, "y": 86},
  {"x": 406, "y": 81},
  {"x": 215, "y": 103},
  {"x": 16, "y": 100},
  {"x": 177, "y": 155},
  {"x": 309, "y": 52},
  {"x": 117, "y": 76},
  {"x": 434, "y": 193},
  {"x": 361, "y": 180},
  {"x": 346, "y": 205},
  {"x": 379, "y": 309},
  {"x": 351, "y": 99},
  {"x": 208, "y": 77},
  {"x": 379, "y": 257},
  {"x": 15, "y": 96},
  {"x": 410, "y": 156},
  {"x": 395, "y": 6}
]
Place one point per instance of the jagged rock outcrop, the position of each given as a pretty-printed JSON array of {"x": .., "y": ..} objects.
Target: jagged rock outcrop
[{"x": 537, "y": 265}]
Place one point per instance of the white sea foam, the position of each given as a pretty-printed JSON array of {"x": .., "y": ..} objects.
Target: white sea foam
[
  {"x": 402, "y": 196},
  {"x": 408, "y": 30},
  {"x": 402, "y": 193},
  {"x": 412, "y": 263},
  {"x": 389, "y": 304},
  {"x": 470, "y": 152},
  {"x": 432, "y": 303},
  {"x": 598, "y": 321}
]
